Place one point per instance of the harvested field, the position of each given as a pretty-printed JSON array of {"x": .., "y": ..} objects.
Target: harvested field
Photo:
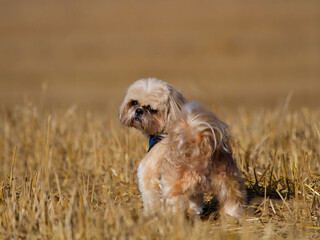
[{"x": 68, "y": 169}]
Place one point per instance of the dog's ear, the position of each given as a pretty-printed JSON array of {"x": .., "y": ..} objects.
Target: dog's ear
[{"x": 176, "y": 101}]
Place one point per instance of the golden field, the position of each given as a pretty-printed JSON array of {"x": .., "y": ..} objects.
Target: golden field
[{"x": 68, "y": 169}]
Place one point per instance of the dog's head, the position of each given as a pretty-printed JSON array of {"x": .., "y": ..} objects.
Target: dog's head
[{"x": 150, "y": 106}]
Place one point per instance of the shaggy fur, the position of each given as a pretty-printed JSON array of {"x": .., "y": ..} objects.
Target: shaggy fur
[{"x": 194, "y": 157}]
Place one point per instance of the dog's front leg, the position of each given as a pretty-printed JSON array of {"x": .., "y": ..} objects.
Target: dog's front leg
[{"x": 149, "y": 187}]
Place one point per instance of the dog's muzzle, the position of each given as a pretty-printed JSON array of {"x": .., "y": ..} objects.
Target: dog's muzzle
[{"x": 138, "y": 114}]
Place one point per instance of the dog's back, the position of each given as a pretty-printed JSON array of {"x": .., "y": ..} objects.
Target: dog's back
[{"x": 199, "y": 158}]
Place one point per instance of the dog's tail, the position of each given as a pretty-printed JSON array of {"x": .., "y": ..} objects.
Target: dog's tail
[{"x": 196, "y": 136}]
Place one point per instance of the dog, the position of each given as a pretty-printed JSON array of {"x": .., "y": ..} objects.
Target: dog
[{"x": 189, "y": 151}]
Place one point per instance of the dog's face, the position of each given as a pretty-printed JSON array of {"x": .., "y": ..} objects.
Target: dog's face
[{"x": 150, "y": 105}]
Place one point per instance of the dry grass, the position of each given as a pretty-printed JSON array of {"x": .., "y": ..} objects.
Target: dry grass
[
  {"x": 71, "y": 174},
  {"x": 68, "y": 169}
]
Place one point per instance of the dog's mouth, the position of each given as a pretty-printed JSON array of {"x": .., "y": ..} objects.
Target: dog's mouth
[{"x": 137, "y": 119}]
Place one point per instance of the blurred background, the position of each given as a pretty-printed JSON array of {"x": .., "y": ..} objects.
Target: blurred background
[{"x": 224, "y": 53}]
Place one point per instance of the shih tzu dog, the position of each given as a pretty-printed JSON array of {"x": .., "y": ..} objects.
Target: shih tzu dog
[{"x": 189, "y": 151}]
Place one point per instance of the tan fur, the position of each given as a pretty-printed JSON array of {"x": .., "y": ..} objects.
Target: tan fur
[{"x": 195, "y": 157}]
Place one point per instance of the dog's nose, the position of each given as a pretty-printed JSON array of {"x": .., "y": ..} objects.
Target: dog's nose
[{"x": 139, "y": 112}]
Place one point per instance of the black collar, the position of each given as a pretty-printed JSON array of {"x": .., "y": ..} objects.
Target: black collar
[{"x": 154, "y": 139}]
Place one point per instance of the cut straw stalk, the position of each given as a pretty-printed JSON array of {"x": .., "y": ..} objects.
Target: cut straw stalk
[{"x": 12, "y": 165}]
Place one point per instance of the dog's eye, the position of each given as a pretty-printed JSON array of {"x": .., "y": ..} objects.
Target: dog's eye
[
  {"x": 153, "y": 111},
  {"x": 134, "y": 102}
]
